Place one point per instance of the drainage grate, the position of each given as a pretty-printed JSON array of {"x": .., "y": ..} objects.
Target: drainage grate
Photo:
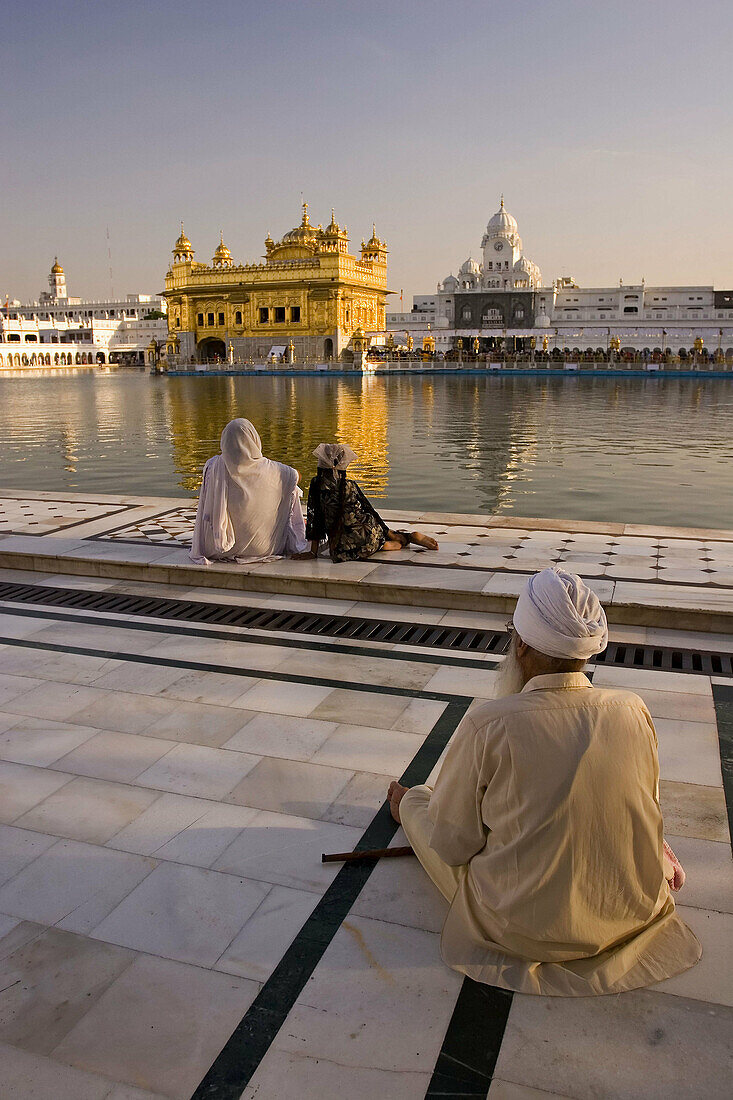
[{"x": 657, "y": 658}]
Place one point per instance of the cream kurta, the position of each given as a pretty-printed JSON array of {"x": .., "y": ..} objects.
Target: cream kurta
[{"x": 550, "y": 797}]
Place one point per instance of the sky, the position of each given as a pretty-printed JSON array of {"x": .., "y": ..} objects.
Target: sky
[{"x": 606, "y": 126}]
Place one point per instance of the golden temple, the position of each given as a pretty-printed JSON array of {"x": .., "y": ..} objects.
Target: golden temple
[{"x": 305, "y": 301}]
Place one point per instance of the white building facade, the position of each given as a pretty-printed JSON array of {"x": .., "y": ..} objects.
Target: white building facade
[
  {"x": 61, "y": 331},
  {"x": 503, "y": 296}
]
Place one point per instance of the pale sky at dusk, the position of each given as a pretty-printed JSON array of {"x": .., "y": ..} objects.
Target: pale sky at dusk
[{"x": 607, "y": 126}]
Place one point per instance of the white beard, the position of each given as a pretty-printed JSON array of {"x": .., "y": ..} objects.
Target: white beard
[{"x": 509, "y": 678}]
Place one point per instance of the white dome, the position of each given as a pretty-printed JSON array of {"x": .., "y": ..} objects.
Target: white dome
[
  {"x": 470, "y": 267},
  {"x": 450, "y": 282},
  {"x": 523, "y": 264},
  {"x": 502, "y": 223}
]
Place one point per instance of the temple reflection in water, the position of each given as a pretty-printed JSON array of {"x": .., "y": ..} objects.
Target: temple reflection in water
[{"x": 595, "y": 448}]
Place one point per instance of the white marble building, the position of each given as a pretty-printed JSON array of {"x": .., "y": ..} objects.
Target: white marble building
[
  {"x": 86, "y": 332},
  {"x": 504, "y": 295}
]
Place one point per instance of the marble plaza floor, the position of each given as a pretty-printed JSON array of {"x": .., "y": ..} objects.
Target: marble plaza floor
[
  {"x": 648, "y": 577},
  {"x": 166, "y": 791}
]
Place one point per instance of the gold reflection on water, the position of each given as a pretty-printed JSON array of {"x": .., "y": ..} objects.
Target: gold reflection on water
[{"x": 363, "y": 418}]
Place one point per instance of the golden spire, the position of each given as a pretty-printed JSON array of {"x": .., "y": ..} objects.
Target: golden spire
[
  {"x": 305, "y": 215},
  {"x": 57, "y": 269},
  {"x": 501, "y": 205}
]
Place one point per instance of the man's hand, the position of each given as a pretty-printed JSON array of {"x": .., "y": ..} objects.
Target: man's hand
[{"x": 395, "y": 794}]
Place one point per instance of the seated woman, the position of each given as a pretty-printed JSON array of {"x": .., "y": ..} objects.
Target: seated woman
[
  {"x": 338, "y": 509},
  {"x": 249, "y": 506}
]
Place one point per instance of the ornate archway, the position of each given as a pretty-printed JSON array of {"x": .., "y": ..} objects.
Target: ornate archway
[{"x": 211, "y": 348}]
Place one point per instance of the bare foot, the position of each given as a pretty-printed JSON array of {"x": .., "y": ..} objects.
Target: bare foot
[
  {"x": 423, "y": 540},
  {"x": 395, "y": 793}
]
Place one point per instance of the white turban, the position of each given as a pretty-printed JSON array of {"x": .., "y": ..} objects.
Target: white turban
[{"x": 558, "y": 615}]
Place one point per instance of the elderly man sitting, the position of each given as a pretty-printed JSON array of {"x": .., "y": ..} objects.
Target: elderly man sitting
[{"x": 544, "y": 830}]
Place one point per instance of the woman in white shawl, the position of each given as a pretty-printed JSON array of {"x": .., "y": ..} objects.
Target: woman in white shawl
[{"x": 249, "y": 506}]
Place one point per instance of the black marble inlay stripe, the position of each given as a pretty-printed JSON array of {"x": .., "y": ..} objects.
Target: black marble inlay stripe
[
  {"x": 723, "y": 699},
  {"x": 467, "y": 1058},
  {"x": 253, "y": 1036},
  {"x": 245, "y": 635}
]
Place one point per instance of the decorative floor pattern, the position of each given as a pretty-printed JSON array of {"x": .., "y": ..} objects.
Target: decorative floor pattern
[
  {"x": 165, "y": 797},
  {"x": 33, "y": 516},
  {"x": 670, "y": 561},
  {"x": 174, "y": 526}
]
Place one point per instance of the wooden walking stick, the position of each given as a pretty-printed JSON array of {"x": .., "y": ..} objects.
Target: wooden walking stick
[{"x": 368, "y": 853}]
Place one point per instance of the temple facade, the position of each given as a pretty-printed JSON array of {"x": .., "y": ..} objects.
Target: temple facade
[{"x": 306, "y": 300}]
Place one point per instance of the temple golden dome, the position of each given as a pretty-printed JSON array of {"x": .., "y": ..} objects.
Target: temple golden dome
[
  {"x": 222, "y": 256},
  {"x": 57, "y": 269},
  {"x": 183, "y": 244}
]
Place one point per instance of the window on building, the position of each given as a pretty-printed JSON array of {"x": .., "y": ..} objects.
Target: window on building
[
  {"x": 630, "y": 309},
  {"x": 238, "y": 317},
  {"x": 199, "y": 318},
  {"x": 178, "y": 322},
  {"x": 264, "y": 315},
  {"x": 209, "y": 318},
  {"x": 466, "y": 313},
  {"x": 279, "y": 314},
  {"x": 295, "y": 313}
]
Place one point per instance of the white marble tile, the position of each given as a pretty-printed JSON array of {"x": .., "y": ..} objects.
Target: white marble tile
[
  {"x": 23, "y": 787},
  {"x": 41, "y": 741},
  {"x": 419, "y": 716},
  {"x": 198, "y": 770},
  {"x": 198, "y": 723},
  {"x": 636, "y": 679},
  {"x": 284, "y": 849},
  {"x": 225, "y": 654},
  {"x": 162, "y": 822},
  {"x": 642, "y": 1044},
  {"x": 693, "y": 810},
  {"x": 27, "y": 1075},
  {"x": 50, "y": 979},
  {"x": 427, "y": 577},
  {"x": 379, "y": 997},
  {"x": 159, "y": 1026},
  {"x": 87, "y": 809},
  {"x": 21, "y": 625},
  {"x": 208, "y": 687},
  {"x": 13, "y": 686},
  {"x": 73, "y": 885},
  {"x": 123, "y": 711},
  {"x": 119, "y": 757},
  {"x": 474, "y": 682},
  {"x": 364, "y": 748},
  {"x": 290, "y": 786},
  {"x": 400, "y": 892},
  {"x": 708, "y": 866},
  {"x": 683, "y": 706},
  {"x": 507, "y": 1090},
  {"x": 258, "y": 948},
  {"x": 711, "y": 979},
  {"x": 186, "y": 913},
  {"x": 55, "y": 700},
  {"x": 281, "y": 697},
  {"x": 689, "y": 752},
  {"x": 363, "y": 707},
  {"x": 281, "y": 735},
  {"x": 18, "y": 848},
  {"x": 290, "y": 1076},
  {"x": 143, "y": 679},
  {"x": 208, "y": 836},
  {"x": 71, "y": 668},
  {"x": 359, "y": 800}
]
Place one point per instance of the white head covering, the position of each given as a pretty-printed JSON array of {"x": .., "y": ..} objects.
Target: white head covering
[
  {"x": 558, "y": 615},
  {"x": 248, "y": 504},
  {"x": 334, "y": 456},
  {"x": 241, "y": 447}
]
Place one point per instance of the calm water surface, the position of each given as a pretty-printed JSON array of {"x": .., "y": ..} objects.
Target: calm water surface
[{"x": 635, "y": 450}]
